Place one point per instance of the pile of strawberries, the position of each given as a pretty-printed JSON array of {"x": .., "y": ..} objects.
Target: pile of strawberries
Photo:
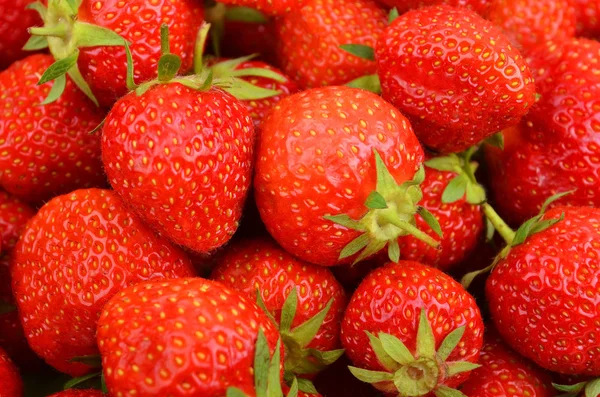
[{"x": 269, "y": 198}]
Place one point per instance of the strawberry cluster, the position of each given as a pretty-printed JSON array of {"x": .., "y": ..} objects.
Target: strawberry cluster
[{"x": 327, "y": 198}]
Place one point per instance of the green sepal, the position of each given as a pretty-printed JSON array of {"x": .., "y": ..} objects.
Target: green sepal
[
  {"x": 572, "y": 389},
  {"x": 38, "y": 6},
  {"x": 456, "y": 189},
  {"x": 384, "y": 359},
  {"x": 131, "y": 85},
  {"x": 395, "y": 349},
  {"x": 288, "y": 311},
  {"x": 450, "y": 342},
  {"x": 80, "y": 82},
  {"x": 306, "y": 332},
  {"x": 445, "y": 163},
  {"x": 103, "y": 386},
  {"x": 496, "y": 140},
  {"x": 261, "y": 365},
  {"x": 200, "y": 45},
  {"x": 294, "y": 388},
  {"x": 394, "y": 251},
  {"x": 346, "y": 221},
  {"x": 394, "y": 14},
  {"x": 89, "y": 35},
  {"x": 80, "y": 379},
  {"x": 370, "y": 376},
  {"x": 360, "y": 51},
  {"x": 552, "y": 199},
  {"x": 371, "y": 249},
  {"x": 94, "y": 360},
  {"x": 259, "y": 72},
  {"x": 274, "y": 379},
  {"x": 375, "y": 201},
  {"x": 460, "y": 367},
  {"x": 261, "y": 303},
  {"x": 445, "y": 391},
  {"x": 74, "y": 4},
  {"x": 168, "y": 66},
  {"x": 425, "y": 338},
  {"x": 306, "y": 386},
  {"x": 245, "y": 14},
  {"x": 326, "y": 358},
  {"x": 59, "y": 68},
  {"x": 490, "y": 230},
  {"x": 369, "y": 83},
  {"x": 593, "y": 388},
  {"x": 98, "y": 127},
  {"x": 245, "y": 91},
  {"x": 355, "y": 246},
  {"x": 431, "y": 220},
  {"x": 235, "y": 392},
  {"x": 36, "y": 43},
  {"x": 6, "y": 307},
  {"x": 58, "y": 87}
]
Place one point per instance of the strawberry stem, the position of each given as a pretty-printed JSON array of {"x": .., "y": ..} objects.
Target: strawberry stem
[
  {"x": 505, "y": 231},
  {"x": 53, "y": 31},
  {"x": 393, "y": 218}
]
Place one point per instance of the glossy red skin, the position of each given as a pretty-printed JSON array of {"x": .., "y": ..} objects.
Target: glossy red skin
[
  {"x": 390, "y": 300},
  {"x": 206, "y": 339},
  {"x": 15, "y": 19},
  {"x": 268, "y": 7},
  {"x": 557, "y": 148},
  {"x": 504, "y": 373},
  {"x": 45, "y": 150},
  {"x": 78, "y": 251},
  {"x": 260, "y": 264},
  {"x": 139, "y": 22},
  {"x": 530, "y": 23},
  {"x": 482, "y": 7},
  {"x": 532, "y": 294},
  {"x": 182, "y": 160},
  {"x": 247, "y": 38},
  {"x": 315, "y": 158},
  {"x": 13, "y": 215},
  {"x": 308, "y": 40},
  {"x": 79, "y": 393},
  {"x": 588, "y": 18},
  {"x": 452, "y": 104},
  {"x": 462, "y": 225},
  {"x": 11, "y": 384}
]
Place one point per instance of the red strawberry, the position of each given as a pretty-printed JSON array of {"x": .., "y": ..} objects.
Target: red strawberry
[
  {"x": 557, "y": 147},
  {"x": 13, "y": 215},
  {"x": 529, "y": 23},
  {"x": 480, "y": 6},
  {"x": 15, "y": 19},
  {"x": 79, "y": 393},
  {"x": 412, "y": 327},
  {"x": 504, "y": 373},
  {"x": 308, "y": 40},
  {"x": 247, "y": 38},
  {"x": 74, "y": 254},
  {"x": 588, "y": 18},
  {"x": 45, "y": 150},
  {"x": 543, "y": 293},
  {"x": 10, "y": 380},
  {"x": 316, "y": 161},
  {"x": 186, "y": 337},
  {"x": 260, "y": 265},
  {"x": 269, "y": 7},
  {"x": 455, "y": 75}
]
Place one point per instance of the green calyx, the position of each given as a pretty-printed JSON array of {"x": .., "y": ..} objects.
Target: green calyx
[
  {"x": 64, "y": 35},
  {"x": 392, "y": 209},
  {"x": 587, "y": 389},
  {"x": 418, "y": 374}
]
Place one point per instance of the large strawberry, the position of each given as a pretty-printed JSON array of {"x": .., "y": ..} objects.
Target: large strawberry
[
  {"x": 588, "y": 18},
  {"x": 413, "y": 330},
  {"x": 322, "y": 185},
  {"x": 15, "y": 19},
  {"x": 480, "y": 6},
  {"x": 45, "y": 149},
  {"x": 11, "y": 384},
  {"x": 74, "y": 254},
  {"x": 86, "y": 38},
  {"x": 306, "y": 300},
  {"x": 456, "y": 76},
  {"x": 186, "y": 337},
  {"x": 308, "y": 40}
]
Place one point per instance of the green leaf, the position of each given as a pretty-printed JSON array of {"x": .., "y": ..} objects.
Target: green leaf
[
  {"x": 370, "y": 376},
  {"x": 306, "y": 386},
  {"x": 371, "y": 249},
  {"x": 80, "y": 82},
  {"x": 6, "y": 307},
  {"x": 346, "y": 221},
  {"x": 274, "y": 381},
  {"x": 461, "y": 366},
  {"x": 418, "y": 178},
  {"x": 496, "y": 140},
  {"x": 369, "y": 83},
  {"x": 396, "y": 349},
  {"x": 305, "y": 332},
  {"x": 593, "y": 388},
  {"x": 76, "y": 381},
  {"x": 93, "y": 360},
  {"x": 36, "y": 43},
  {"x": 444, "y": 163},
  {"x": 469, "y": 277},
  {"x": 393, "y": 15},
  {"x": 449, "y": 343},
  {"x": 475, "y": 193},
  {"x": 226, "y": 68},
  {"x": 394, "y": 251},
  {"x": 288, "y": 311},
  {"x": 245, "y": 91},
  {"x": 261, "y": 303},
  {"x": 425, "y": 338},
  {"x": 168, "y": 66},
  {"x": 445, "y": 391},
  {"x": 576, "y": 388},
  {"x": 261, "y": 365},
  {"x": 523, "y": 231},
  {"x": 456, "y": 189},
  {"x": 293, "y": 392},
  {"x": 355, "y": 245},
  {"x": 431, "y": 220},
  {"x": 245, "y": 14},
  {"x": 88, "y": 35},
  {"x": 39, "y": 7},
  {"x": 165, "y": 45},
  {"x": 375, "y": 201},
  {"x": 259, "y": 72},
  {"x": 552, "y": 199},
  {"x": 384, "y": 359},
  {"x": 327, "y": 357},
  {"x": 360, "y": 50},
  {"x": 235, "y": 392},
  {"x": 58, "y": 87},
  {"x": 59, "y": 68},
  {"x": 545, "y": 224},
  {"x": 131, "y": 85},
  {"x": 385, "y": 180}
]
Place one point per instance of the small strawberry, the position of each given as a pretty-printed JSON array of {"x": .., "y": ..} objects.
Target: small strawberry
[
  {"x": 322, "y": 182},
  {"x": 456, "y": 76},
  {"x": 185, "y": 337},
  {"x": 74, "y": 254},
  {"x": 79, "y": 393},
  {"x": 305, "y": 300},
  {"x": 15, "y": 19},
  {"x": 504, "y": 373},
  {"x": 588, "y": 18},
  {"x": 11, "y": 384},
  {"x": 480, "y": 6},
  {"x": 45, "y": 149},
  {"x": 413, "y": 330},
  {"x": 308, "y": 40}
]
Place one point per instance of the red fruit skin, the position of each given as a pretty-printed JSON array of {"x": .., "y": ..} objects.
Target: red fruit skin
[
  {"x": 11, "y": 384},
  {"x": 557, "y": 148},
  {"x": 268, "y": 7},
  {"x": 309, "y": 38},
  {"x": 529, "y": 23},
  {"x": 46, "y": 150},
  {"x": 79, "y": 393},
  {"x": 247, "y": 38},
  {"x": 532, "y": 293},
  {"x": 588, "y": 18},
  {"x": 504, "y": 373},
  {"x": 260, "y": 264},
  {"x": 13, "y": 215},
  {"x": 78, "y": 251},
  {"x": 481, "y": 7},
  {"x": 15, "y": 19},
  {"x": 204, "y": 342},
  {"x": 390, "y": 299},
  {"x": 182, "y": 160},
  {"x": 315, "y": 158},
  {"x": 455, "y": 87},
  {"x": 138, "y": 22}
]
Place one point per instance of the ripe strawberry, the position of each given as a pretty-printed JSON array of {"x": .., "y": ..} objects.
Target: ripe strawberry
[
  {"x": 45, "y": 150},
  {"x": 480, "y": 6},
  {"x": 529, "y": 23},
  {"x": 13, "y": 215},
  {"x": 557, "y": 147},
  {"x": 79, "y": 393},
  {"x": 261, "y": 265},
  {"x": 308, "y": 40},
  {"x": 74, "y": 254},
  {"x": 504, "y": 373},
  {"x": 588, "y": 18},
  {"x": 11, "y": 384},
  {"x": 15, "y": 19},
  {"x": 535, "y": 286},
  {"x": 411, "y": 327},
  {"x": 203, "y": 342},
  {"x": 316, "y": 160},
  {"x": 456, "y": 76},
  {"x": 269, "y": 7}
]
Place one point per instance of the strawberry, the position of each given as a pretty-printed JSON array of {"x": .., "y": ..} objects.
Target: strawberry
[
  {"x": 88, "y": 40},
  {"x": 242, "y": 38},
  {"x": 555, "y": 149},
  {"x": 322, "y": 163},
  {"x": 480, "y": 6},
  {"x": 79, "y": 393},
  {"x": 308, "y": 40},
  {"x": 74, "y": 254},
  {"x": 11, "y": 384},
  {"x": 15, "y": 19},
  {"x": 504, "y": 373},
  {"x": 588, "y": 18},
  {"x": 409, "y": 327},
  {"x": 13, "y": 215},
  {"x": 185, "y": 337},
  {"x": 45, "y": 150},
  {"x": 285, "y": 284},
  {"x": 269, "y": 7},
  {"x": 456, "y": 76}
]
